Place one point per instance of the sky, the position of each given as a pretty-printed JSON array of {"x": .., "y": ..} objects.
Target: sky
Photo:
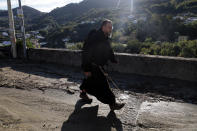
[{"x": 42, "y": 5}]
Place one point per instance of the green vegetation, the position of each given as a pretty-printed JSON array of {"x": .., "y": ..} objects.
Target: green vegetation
[
  {"x": 154, "y": 29},
  {"x": 181, "y": 49},
  {"x": 19, "y": 44},
  {"x": 77, "y": 46}
]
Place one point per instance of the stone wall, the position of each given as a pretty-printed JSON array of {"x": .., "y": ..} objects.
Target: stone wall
[{"x": 162, "y": 66}]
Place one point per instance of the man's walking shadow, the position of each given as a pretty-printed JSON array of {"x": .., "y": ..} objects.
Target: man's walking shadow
[{"x": 87, "y": 119}]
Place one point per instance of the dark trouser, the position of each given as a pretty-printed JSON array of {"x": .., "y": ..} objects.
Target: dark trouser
[{"x": 98, "y": 86}]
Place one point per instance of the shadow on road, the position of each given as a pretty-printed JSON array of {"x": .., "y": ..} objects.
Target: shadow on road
[{"x": 87, "y": 119}]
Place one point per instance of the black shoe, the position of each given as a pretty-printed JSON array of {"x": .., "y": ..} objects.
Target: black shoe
[
  {"x": 116, "y": 106},
  {"x": 85, "y": 97}
]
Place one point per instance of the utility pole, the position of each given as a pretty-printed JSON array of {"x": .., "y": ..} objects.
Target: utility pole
[
  {"x": 20, "y": 14},
  {"x": 131, "y": 9},
  {"x": 12, "y": 30}
]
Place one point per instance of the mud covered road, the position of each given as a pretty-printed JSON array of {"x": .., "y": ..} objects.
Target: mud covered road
[{"x": 39, "y": 97}]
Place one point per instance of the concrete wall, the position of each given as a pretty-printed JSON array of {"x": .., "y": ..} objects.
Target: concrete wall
[{"x": 170, "y": 67}]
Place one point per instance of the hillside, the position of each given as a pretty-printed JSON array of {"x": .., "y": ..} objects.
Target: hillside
[{"x": 29, "y": 13}]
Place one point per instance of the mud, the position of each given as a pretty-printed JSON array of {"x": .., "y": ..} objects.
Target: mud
[{"x": 39, "y": 96}]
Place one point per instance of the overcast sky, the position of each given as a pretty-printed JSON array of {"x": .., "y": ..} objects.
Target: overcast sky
[{"x": 42, "y": 5}]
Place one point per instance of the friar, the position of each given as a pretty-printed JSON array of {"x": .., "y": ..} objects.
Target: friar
[{"x": 96, "y": 53}]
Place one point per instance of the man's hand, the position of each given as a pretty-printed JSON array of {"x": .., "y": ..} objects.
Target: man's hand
[{"x": 87, "y": 74}]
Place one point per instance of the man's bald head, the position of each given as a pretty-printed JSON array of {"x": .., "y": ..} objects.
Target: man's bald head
[{"x": 107, "y": 27}]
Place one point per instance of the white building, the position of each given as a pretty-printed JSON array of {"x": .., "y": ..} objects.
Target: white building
[
  {"x": 6, "y": 43},
  {"x": 1, "y": 44},
  {"x": 134, "y": 21},
  {"x": 92, "y": 22},
  {"x": 5, "y": 34},
  {"x": 39, "y": 37},
  {"x": 178, "y": 17},
  {"x": 65, "y": 39},
  {"x": 183, "y": 38},
  {"x": 87, "y": 22},
  {"x": 27, "y": 35},
  {"x": 131, "y": 17},
  {"x": 43, "y": 43},
  {"x": 35, "y": 32},
  {"x": 191, "y": 19}
]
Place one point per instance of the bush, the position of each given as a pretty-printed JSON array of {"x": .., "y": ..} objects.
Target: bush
[
  {"x": 118, "y": 47},
  {"x": 133, "y": 46},
  {"x": 19, "y": 44},
  {"x": 145, "y": 51},
  {"x": 156, "y": 49},
  {"x": 167, "y": 49},
  {"x": 189, "y": 49},
  {"x": 77, "y": 46}
]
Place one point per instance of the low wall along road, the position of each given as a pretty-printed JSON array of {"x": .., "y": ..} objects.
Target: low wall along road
[{"x": 160, "y": 66}]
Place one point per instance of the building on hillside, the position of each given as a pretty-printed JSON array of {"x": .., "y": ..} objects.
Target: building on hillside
[
  {"x": 5, "y": 34},
  {"x": 183, "y": 38},
  {"x": 43, "y": 43},
  {"x": 190, "y": 20},
  {"x": 27, "y": 36},
  {"x": 39, "y": 37},
  {"x": 178, "y": 17},
  {"x": 6, "y": 43},
  {"x": 65, "y": 39}
]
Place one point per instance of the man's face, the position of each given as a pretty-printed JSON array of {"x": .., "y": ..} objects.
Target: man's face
[{"x": 107, "y": 29}]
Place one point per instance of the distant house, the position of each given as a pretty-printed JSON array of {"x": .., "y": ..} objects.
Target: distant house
[
  {"x": 5, "y": 34},
  {"x": 43, "y": 43},
  {"x": 92, "y": 22},
  {"x": 67, "y": 45},
  {"x": 39, "y": 37},
  {"x": 95, "y": 19},
  {"x": 27, "y": 35},
  {"x": 193, "y": 18},
  {"x": 190, "y": 20},
  {"x": 186, "y": 14},
  {"x": 65, "y": 39},
  {"x": 6, "y": 43},
  {"x": 19, "y": 35},
  {"x": 158, "y": 42},
  {"x": 135, "y": 21},
  {"x": 83, "y": 22},
  {"x": 35, "y": 32},
  {"x": 87, "y": 22},
  {"x": 178, "y": 17},
  {"x": 131, "y": 17},
  {"x": 183, "y": 38}
]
